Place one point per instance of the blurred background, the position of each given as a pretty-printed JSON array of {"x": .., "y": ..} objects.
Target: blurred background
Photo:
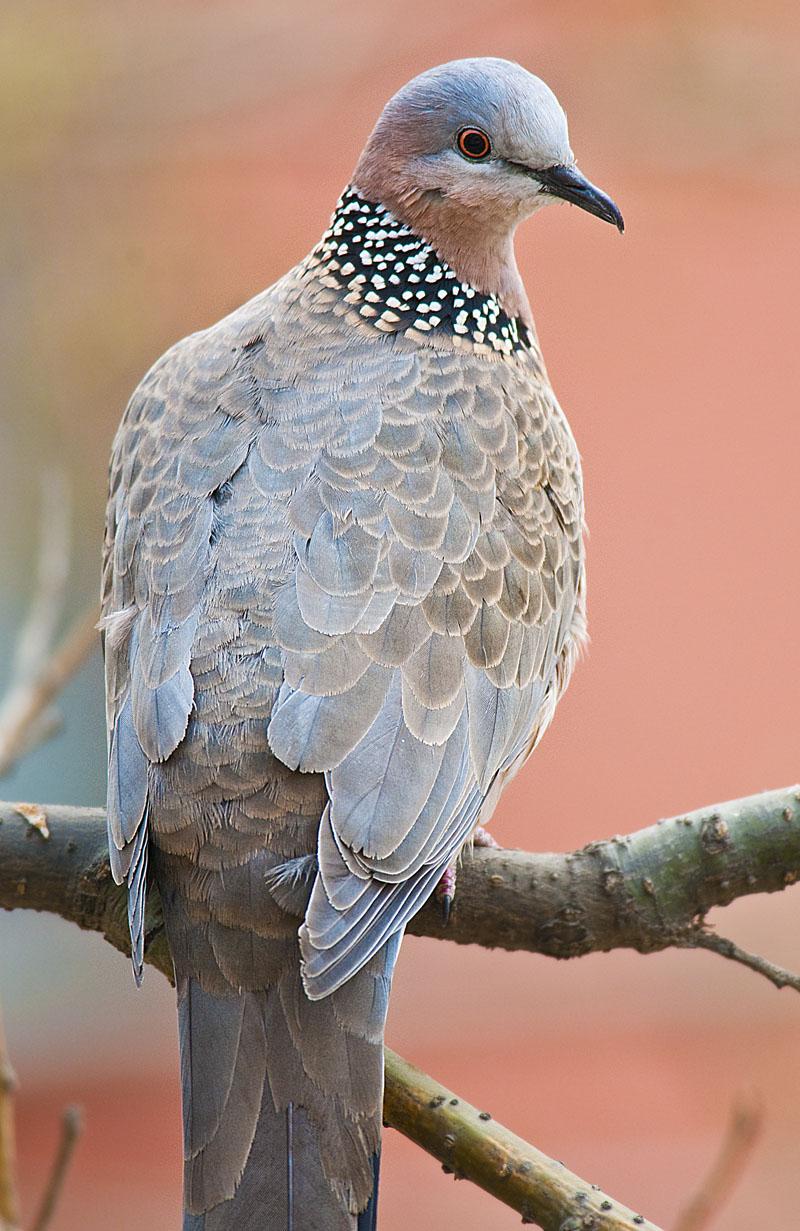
[{"x": 161, "y": 162}]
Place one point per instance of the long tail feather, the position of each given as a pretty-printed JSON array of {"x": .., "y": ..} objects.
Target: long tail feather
[{"x": 282, "y": 1106}]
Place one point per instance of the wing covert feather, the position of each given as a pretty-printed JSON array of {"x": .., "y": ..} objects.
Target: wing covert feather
[
  {"x": 476, "y": 616},
  {"x": 403, "y": 578},
  {"x": 159, "y": 530}
]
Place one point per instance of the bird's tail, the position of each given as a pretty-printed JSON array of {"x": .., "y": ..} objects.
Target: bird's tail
[{"x": 282, "y": 1100}]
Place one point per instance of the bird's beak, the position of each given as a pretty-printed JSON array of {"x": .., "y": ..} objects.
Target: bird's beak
[{"x": 570, "y": 185}]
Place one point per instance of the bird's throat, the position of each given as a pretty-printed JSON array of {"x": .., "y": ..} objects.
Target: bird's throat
[{"x": 396, "y": 281}]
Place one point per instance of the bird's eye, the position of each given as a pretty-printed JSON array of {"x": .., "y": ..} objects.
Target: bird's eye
[{"x": 474, "y": 144}]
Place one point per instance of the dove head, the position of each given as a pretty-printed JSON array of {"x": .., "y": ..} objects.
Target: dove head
[{"x": 462, "y": 154}]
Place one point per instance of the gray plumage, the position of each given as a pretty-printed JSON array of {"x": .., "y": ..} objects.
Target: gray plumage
[{"x": 343, "y": 591}]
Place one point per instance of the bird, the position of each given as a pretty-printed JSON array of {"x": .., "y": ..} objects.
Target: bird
[{"x": 343, "y": 591}]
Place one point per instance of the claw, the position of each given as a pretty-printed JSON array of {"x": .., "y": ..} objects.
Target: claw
[
  {"x": 482, "y": 837},
  {"x": 445, "y": 892}
]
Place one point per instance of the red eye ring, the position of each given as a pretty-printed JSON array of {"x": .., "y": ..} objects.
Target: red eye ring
[{"x": 474, "y": 144}]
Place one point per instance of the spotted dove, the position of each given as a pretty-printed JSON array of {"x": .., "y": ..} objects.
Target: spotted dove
[{"x": 343, "y": 591}]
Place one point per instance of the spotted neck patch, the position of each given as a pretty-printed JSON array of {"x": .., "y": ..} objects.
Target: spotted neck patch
[{"x": 396, "y": 282}]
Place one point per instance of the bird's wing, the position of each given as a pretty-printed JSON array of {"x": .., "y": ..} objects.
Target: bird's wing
[
  {"x": 169, "y": 458},
  {"x": 422, "y": 625},
  {"x": 418, "y": 595}
]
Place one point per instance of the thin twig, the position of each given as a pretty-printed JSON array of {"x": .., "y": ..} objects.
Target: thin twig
[
  {"x": 25, "y": 716},
  {"x": 71, "y": 1127},
  {"x": 9, "y": 1198},
  {"x": 35, "y": 638},
  {"x": 38, "y": 671},
  {"x": 737, "y": 1146},
  {"x": 471, "y": 1145},
  {"x": 701, "y": 938}
]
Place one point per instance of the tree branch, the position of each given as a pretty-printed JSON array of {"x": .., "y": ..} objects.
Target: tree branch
[
  {"x": 700, "y": 938},
  {"x": 71, "y": 1127},
  {"x": 68, "y": 874},
  {"x": 26, "y": 716},
  {"x": 647, "y": 891},
  {"x": 737, "y": 1146},
  {"x": 39, "y": 671},
  {"x": 71, "y": 1123},
  {"x": 9, "y": 1197},
  {"x": 471, "y": 1145}
]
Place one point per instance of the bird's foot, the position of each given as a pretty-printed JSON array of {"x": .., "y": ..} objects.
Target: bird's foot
[
  {"x": 446, "y": 889},
  {"x": 482, "y": 837},
  {"x": 445, "y": 892}
]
